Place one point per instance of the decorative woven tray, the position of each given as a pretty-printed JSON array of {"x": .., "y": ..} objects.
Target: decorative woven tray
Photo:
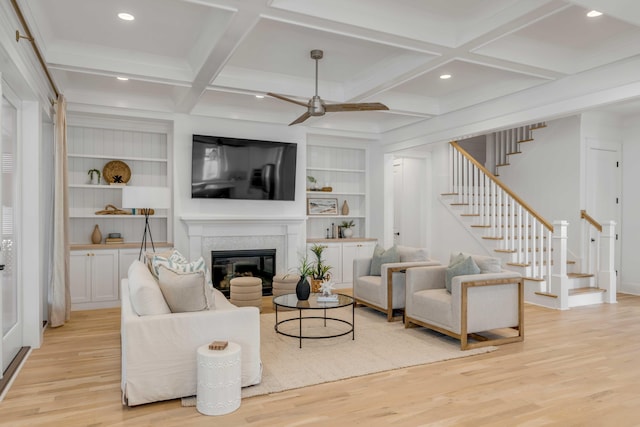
[{"x": 116, "y": 171}]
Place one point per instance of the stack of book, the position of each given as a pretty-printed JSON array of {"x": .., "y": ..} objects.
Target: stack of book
[{"x": 113, "y": 240}]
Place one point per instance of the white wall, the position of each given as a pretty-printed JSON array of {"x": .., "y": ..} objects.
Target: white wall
[
  {"x": 184, "y": 127},
  {"x": 630, "y": 232},
  {"x": 547, "y": 175}
]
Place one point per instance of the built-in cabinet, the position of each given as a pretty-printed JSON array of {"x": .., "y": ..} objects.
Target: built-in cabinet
[
  {"x": 96, "y": 272},
  {"x": 343, "y": 171},
  {"x": 340, "y": 253},
  {"x": 94, "y": 278},
  {"x": 145, "y": 148}
]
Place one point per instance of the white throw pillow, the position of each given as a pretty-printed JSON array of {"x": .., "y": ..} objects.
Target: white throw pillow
[
  {"x": 183, "y": 291},
  {"x": 409, "y": 254},
  {"x": 144, "y": 293},
  {"x": 189, "y": 267},
  {"x": 171, "y": 255}
]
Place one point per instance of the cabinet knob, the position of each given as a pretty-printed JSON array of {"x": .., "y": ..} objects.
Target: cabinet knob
[{"x": 359, "y": 246}]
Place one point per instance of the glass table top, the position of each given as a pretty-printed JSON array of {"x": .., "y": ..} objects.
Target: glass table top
[{"x": 291, "y": 301}]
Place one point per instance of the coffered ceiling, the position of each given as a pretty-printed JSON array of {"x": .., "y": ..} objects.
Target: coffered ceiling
[{"x": 212, "y": 57}]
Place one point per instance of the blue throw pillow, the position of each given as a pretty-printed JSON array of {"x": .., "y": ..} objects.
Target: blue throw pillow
[
  {"x": 380, "y": 256},
  {"x": 462, "y": 268}
]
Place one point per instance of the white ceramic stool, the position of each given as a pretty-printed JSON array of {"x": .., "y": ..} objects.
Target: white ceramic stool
[{"x": 219, "y": 380}]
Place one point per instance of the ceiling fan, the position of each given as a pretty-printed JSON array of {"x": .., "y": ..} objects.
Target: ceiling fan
[{"x": 317, "y": 107}]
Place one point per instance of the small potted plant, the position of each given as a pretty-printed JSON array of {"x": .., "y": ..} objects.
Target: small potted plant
[
  {"x": 347, "y": 226},
  {"x": 313, "y": 183},
  {"x": 320, "y": 269},
  {"x": 94, "y": 176}
]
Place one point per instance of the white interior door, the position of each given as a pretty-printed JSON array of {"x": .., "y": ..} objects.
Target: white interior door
[
  {"x": 408, "y": 201},
  {"x": 604, "y": 186},
  {"x": 10, "y": 302}
]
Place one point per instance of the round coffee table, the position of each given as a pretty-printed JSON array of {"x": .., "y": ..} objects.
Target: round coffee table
[{"x": 290, "y": 301}]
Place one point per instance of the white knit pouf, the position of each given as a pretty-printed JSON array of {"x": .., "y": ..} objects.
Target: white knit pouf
[{"x": 219, "y": 380}]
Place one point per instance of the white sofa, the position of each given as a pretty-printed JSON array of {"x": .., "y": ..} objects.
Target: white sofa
[{"x": 159, "y": 350}]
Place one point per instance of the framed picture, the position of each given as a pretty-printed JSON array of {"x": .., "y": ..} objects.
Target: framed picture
[{"x": 322, "y": 206}]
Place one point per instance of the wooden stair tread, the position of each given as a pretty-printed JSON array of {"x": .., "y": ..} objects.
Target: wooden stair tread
[
  {"x": 459, "y": 204},
  {"x": 524, "y": 140},
  {"x": 515, "y": 152},
  {"x": 480, "y": 226},
  {"x": 579, "y": 275},
  {"x": 518, "y": 264},
  {"x": 464, "y": 214},
  {"x": 448, "y": 194},
  {"x": 492, "y": 238},
  {"x": 534, "y": 279},
  {"x": 545, "y": 294},
  {"x": 587, "y": 290},
  {"x": 503, "y": 164},
  {"x": 505, "y": 251},
  {"x": 538, "y": 127}
]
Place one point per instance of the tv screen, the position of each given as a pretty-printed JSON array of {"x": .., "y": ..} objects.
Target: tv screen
[{"x": 232, "y": 168}]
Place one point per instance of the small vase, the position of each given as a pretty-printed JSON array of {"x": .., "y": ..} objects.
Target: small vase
[
  {"x": 96, "y": 236},
  {"x": 345, "y": 208},
  {"x": 303, "y": 289},
  {"x": 347, "y": 233}
]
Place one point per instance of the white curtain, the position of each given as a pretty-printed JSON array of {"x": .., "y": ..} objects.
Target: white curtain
[{"x": 59, "y": 292}]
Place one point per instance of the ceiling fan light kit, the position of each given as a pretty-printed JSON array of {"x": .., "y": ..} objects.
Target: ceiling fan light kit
[{"x": 316, "y": 106}]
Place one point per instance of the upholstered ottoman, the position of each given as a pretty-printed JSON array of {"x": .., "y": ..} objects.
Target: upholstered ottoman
[
  {"x": 284, "y": 284},
  {"x": 246, "y": 291}
]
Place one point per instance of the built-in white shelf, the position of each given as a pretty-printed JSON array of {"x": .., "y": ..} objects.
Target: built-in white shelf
[
  {"x": 343, "y": 168},
  {"x": 146, "y": 151},
  {"x": 335, "y": 170},
  {"x": 110, "y": 157},
  {"x": 335, "y": 216},
  {"x": 336, "y": 193}
]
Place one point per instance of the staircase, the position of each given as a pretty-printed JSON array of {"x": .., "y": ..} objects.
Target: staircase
[{"x": 505, "y": 225}]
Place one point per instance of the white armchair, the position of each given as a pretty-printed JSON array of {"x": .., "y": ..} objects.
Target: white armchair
[
  {"x": 477, "y": 303},
  {"x": 386, "y": 291}
]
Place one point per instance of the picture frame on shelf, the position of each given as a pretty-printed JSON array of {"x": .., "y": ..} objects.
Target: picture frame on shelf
[{"x": 322, "y": 206}]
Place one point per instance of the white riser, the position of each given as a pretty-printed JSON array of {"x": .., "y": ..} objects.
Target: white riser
[{"x": 586, "y": 299}]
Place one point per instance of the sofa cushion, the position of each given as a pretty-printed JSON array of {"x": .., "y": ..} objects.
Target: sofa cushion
[
  {"x": 409, "y": 254},
  {"x": 144, "y": 293},
  {"x": 183, "y": 291},
  {"x": 461, "y": 268},
  {"x": 380, "y": 256},
  {"x": 170, "y": 255},
  {"x": 188, "y": 267}
]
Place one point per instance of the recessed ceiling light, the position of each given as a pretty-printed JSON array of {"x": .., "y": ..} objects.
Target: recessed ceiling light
[
  {"x": 126, "y": 16},
  {"x": 593, "y": 13},
  {"x": 445, "y": 76},
  {"x": 124, "y": 79},
  {"x": 259, "y": 96}
]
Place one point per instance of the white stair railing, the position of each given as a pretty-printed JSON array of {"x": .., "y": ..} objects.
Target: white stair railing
[
  {"x": 506, "y": 142},
  {"x": 520, "y": 231}
]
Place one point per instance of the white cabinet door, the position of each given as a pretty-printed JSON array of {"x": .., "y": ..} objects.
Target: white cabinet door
[
  {"x": 80, "y": 276},
  {"x": 333, "y": 257},
  {"x": 93, "y": 276},
  {"x": 126, "y": 258},
  {"x": 104, "y": 275},
  {"x": 351, "y": 251}
]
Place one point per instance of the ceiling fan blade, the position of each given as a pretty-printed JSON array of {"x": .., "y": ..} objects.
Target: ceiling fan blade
[
  {"x": 284, "y": 98},
  {"x": 300, "y": 119},
  {"x": 356, "y": 106}
]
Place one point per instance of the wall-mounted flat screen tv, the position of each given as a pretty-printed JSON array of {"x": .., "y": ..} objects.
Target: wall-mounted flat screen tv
[{"x": 233, "y": 168}]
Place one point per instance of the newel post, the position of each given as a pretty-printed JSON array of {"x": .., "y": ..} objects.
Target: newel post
[
  {"x": 607, "y": 270},
  {"x": 559, "y": 279}
]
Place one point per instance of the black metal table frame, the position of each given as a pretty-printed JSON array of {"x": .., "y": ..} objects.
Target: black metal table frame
[{"x": 324, "y": 317}]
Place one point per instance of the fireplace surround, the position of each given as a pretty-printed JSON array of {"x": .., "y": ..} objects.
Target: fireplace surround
[{"x": 227, "y": 264}]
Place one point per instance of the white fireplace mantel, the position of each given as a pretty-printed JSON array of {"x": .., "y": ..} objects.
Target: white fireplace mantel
[{"x": 243, "y": 228}]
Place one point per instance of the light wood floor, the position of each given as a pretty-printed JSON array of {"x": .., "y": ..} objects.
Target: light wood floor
[{"x": 575, "y": 368}]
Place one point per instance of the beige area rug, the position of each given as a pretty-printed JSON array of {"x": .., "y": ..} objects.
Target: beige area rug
[{"x": 378, "y": 346}]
